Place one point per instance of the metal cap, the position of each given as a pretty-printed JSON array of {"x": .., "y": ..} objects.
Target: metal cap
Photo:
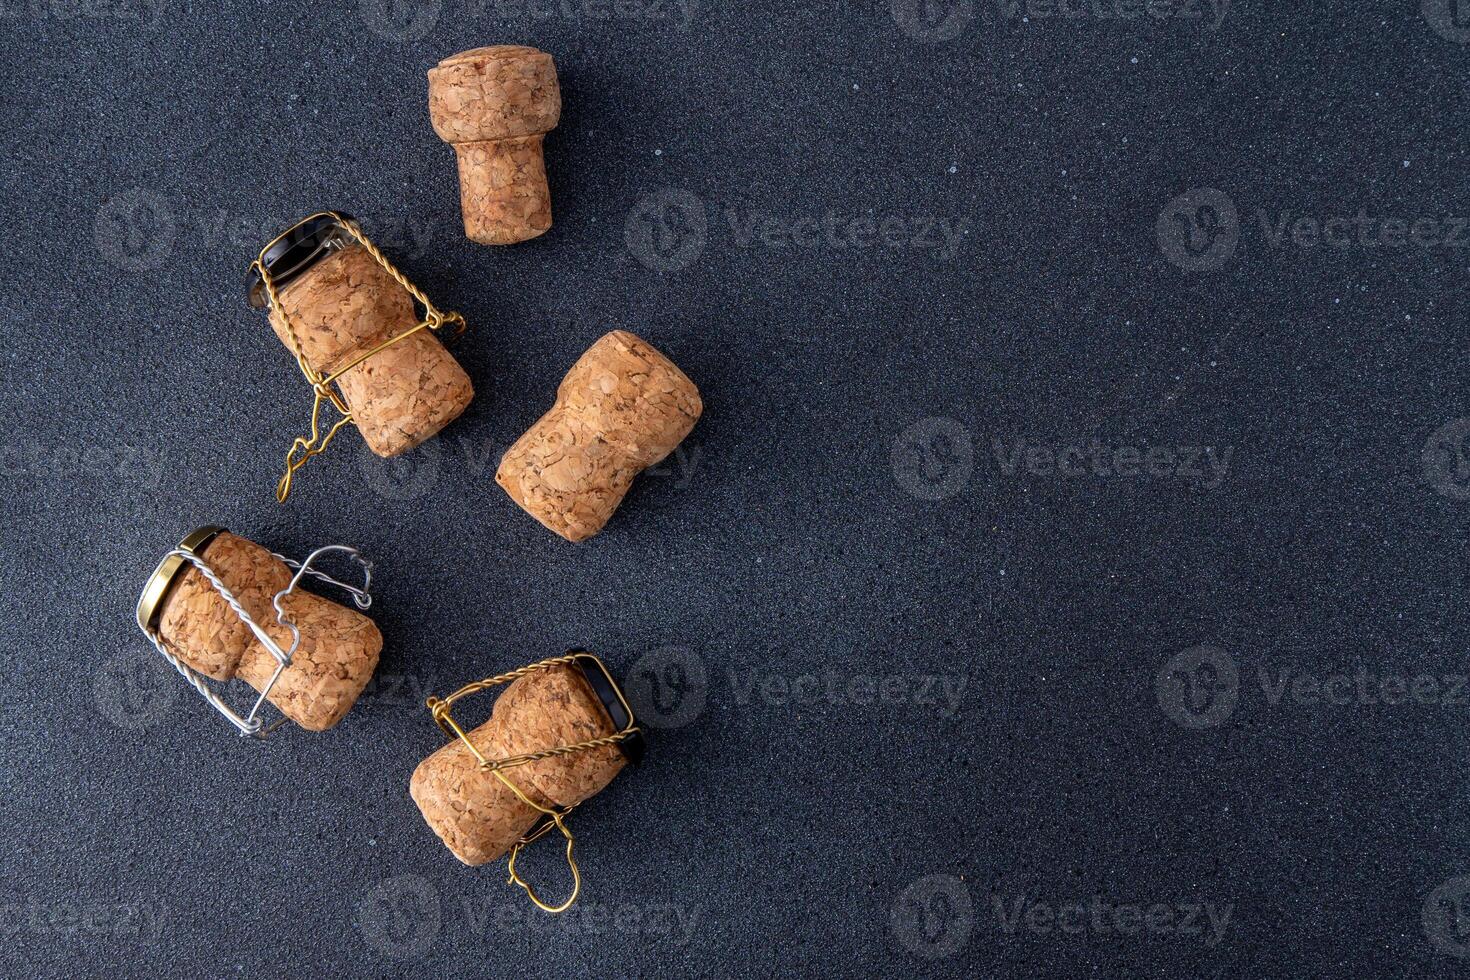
[
  {"x": 150, "y": 603},
  {"x": 612, "y": 699},
  {"x": 295, "y": 250}
]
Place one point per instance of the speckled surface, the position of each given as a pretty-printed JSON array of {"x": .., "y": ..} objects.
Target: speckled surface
[{"x": 1056, "y": 477}]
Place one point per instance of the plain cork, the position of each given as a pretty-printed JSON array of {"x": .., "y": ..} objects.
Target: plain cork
[
  {"x": 343, "y": 306},
  {"x": 336, "y": 657},
  {"x": 476, "y": 815},
  {"x": 494, "y": 105},
  {"x": 621, "y": 408}
]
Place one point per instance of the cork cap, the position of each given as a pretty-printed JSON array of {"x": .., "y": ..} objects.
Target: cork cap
[
  {"x": 493, "y": 93},
  {"x": 621, "y": 408},
  {"x": 494, "y": 104}
]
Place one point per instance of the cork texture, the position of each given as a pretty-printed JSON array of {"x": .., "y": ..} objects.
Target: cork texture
[
  {"x": 346, "y": 304},
  {"x": 339, "y": 646},
  {"x": 494, "y": 104},
  {"x": 474, "y": 813},
  {"x": 621, "y": 408}
]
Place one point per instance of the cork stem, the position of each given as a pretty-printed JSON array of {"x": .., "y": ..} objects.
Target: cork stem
[{"x": 503, "y": 191}]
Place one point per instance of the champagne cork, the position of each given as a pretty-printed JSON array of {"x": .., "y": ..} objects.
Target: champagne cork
[
  {"x": 345, "y": 304},
  {"x": 494, "y": 105},
  {"x": 337, "y": 654},
  {"x": 621, "y": 408},
  {"x": 477, "y": 816}
]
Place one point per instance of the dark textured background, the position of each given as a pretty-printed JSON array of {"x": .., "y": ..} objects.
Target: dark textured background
[{"x": 842, "y": 508}]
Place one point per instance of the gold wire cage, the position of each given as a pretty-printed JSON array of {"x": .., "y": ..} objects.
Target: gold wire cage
[
  {"x": 324, "y": 385},
  {"x": 551, "y": 817}
]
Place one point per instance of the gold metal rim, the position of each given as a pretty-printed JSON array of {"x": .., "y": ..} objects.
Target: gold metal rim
[{"x": 150, "y": 604}]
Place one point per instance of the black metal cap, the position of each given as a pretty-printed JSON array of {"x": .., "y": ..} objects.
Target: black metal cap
[
  {"x": 295, "y": 251},
  {"x": 633, "y": 746}
]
